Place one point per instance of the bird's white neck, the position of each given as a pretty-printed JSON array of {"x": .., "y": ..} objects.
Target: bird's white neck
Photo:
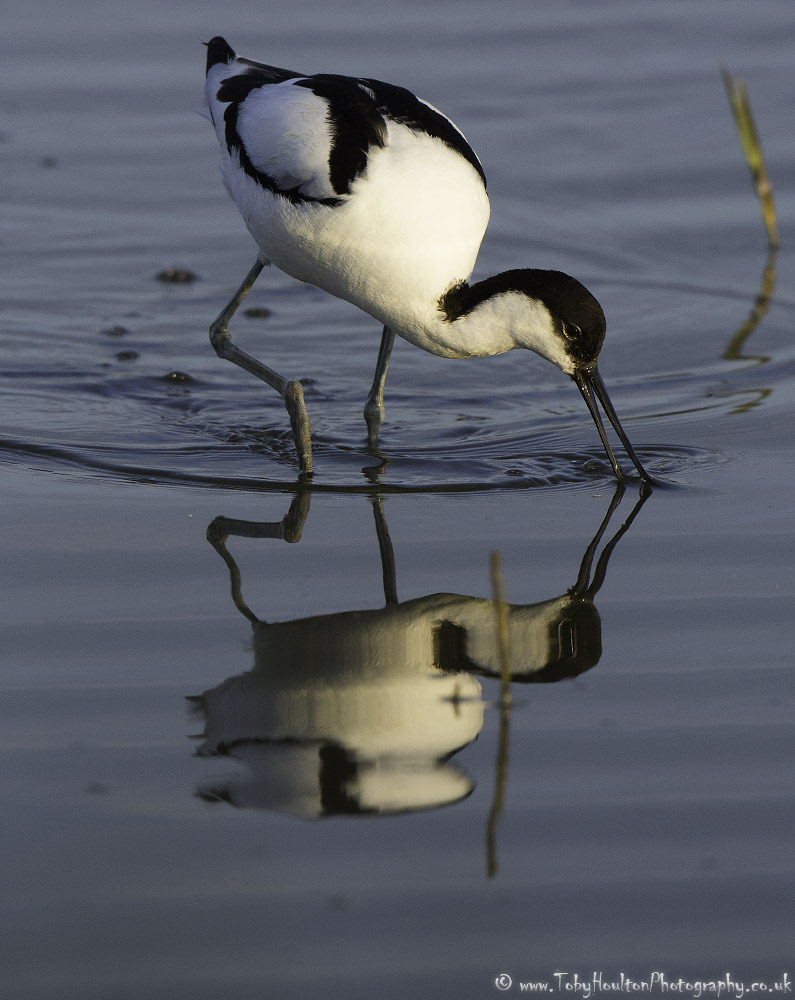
[{"x": 498, "y": 323}]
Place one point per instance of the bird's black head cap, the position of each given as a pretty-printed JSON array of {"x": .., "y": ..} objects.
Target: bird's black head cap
[{"x": 578, "y": 313}]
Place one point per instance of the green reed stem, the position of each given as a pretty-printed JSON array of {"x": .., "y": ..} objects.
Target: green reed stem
[{"x": 752, "y": 148}]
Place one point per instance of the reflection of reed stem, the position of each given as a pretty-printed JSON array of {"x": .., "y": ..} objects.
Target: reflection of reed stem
[
  {"x": 500, "y": 782},
  {"x": 501, "y": 613},
  {"x": 761, "y": 304},
  {"x": 501, "y": 776},
  {"x": 749, "y": 137},
  {"x": 736, "y": 346}
]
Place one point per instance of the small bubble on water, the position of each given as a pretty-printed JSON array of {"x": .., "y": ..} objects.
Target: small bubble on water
[
  {"x": 593, "y": 465},
  {"x": 176, "y": 276},
  {"x": 97, "y": 788}
]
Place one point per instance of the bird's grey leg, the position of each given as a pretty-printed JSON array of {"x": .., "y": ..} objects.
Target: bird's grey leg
[
  {"x": 292, "y": 392},
  {"x": 374, "y": 407}
]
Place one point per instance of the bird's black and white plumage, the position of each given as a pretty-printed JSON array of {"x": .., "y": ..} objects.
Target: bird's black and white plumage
[{"x": 372, "y": 194}]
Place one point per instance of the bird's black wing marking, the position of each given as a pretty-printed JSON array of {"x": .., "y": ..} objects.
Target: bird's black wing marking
[
  {"x": 220, "y": 51},
  {"x": 355, "y": 123},
  {"x": 403, "y": 107},
  {"x": 356, "y": 126},
  {"x": 357, "y": 114},
  {"x": 234, "y": 90}
]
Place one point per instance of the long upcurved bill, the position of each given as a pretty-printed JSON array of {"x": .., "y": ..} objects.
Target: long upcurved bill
[{"x": 590, "y": 384}]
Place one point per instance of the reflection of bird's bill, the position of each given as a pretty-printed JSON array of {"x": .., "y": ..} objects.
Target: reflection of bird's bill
[{"x": 590, "y": 384}]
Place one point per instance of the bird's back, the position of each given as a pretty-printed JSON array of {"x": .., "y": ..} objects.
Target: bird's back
[{"x": 353, "y": 185}]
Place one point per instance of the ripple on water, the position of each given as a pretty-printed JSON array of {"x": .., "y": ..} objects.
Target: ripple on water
[
  {"x": 256, "y": 459},
  {"x": 513, "y": 425}
]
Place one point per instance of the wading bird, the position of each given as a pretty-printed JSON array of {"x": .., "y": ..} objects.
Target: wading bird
[{"x": 366, "y": 191}]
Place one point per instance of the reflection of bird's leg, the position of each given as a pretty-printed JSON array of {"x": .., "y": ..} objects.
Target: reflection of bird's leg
[
  {"x": 217, "y": 534},
  {"x": 374, "y": 407},
  {"x": 292, "y": 392},
  {"x": 288, "y": 529},
  {"x": 387, "y": 552},
  {"x": 295, "y": 518}
]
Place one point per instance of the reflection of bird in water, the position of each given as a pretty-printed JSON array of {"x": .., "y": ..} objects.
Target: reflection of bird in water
[
  {"x": 361, "y": 711},
  {"x": 364, "y": 190}
]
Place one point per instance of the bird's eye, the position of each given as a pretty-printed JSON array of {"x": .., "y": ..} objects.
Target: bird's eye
[{"x": 571, "y": 331}]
